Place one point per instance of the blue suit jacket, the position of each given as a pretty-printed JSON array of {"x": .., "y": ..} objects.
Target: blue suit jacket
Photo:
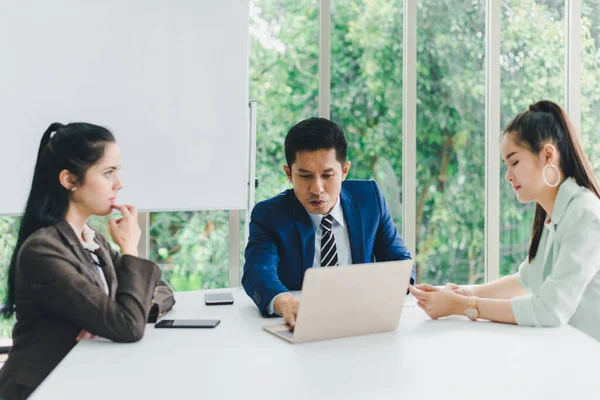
[{"x": 281, "y": 246}]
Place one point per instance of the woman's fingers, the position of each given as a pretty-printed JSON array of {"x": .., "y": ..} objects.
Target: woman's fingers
[
  {"x": 414, "y": 291},
  {"x": 426, "y": 309},
  {"x": 132, "y": 210},
  {"x": 123, "y": 210},
  {"x": 85, "y": 335},
  {"x": 419, "y": 294},
  {"x": 426, "y": 287}
]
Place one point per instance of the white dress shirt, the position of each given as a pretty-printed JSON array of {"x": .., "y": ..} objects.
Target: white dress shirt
[
  {"x": 89, "y": 244},
  {"x": 342, "y": 241}
]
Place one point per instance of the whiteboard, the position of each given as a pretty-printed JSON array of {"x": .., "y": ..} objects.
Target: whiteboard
[{"x": 169, "y": 78}]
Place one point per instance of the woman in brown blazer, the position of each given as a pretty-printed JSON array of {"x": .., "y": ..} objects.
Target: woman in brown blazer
[{"x": 65, "y": 281}]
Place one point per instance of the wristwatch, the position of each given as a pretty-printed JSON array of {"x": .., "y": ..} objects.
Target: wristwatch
[{"x": 471, "y": 310}]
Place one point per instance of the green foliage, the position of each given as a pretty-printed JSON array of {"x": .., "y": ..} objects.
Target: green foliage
[
  {"x": 9, "y": 228},
  {"x": 192, "y": 248},
  {"x": 590, "y": 81},
  {"x": 284, "y": 65}
]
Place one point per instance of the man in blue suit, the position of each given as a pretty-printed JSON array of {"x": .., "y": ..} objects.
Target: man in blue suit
[{"x": 324, "y": 221}]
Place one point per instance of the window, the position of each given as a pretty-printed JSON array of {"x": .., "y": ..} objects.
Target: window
[
  {"x": 366, "y": 92},
  {"x": 450, "y": 141},
  {"x": 590, "y": 81},
  {"x": 532, "y": 69},
  {"x": 9, "y": 229},
  {"x": 192, "y": 248},
  {"x": 284, "y": 79}
]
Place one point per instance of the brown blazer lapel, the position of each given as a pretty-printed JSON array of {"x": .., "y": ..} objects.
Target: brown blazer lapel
[
  {"x": 108, "y": 268},
  {"x": 85, "y": 262}
]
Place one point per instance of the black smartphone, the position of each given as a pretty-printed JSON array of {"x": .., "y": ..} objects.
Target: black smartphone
[
  {"x": 187, "y": 323},
  {"x": 214, "y": 299}
]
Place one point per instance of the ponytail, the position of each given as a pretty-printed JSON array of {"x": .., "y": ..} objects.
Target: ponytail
[
  {"x": 46, "y": 137},
  {"x": 73, "y": 147},
  {"x": 546, "y": 122}
]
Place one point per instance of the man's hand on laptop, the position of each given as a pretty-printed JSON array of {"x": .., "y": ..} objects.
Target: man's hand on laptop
[{"x": 287, "y": 305}]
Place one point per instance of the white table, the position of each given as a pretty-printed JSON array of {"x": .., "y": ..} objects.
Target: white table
[{"x": 453, "y": 358}]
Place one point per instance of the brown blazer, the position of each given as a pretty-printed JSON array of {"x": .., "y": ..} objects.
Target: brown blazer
[{"x": 58, "y": 294}]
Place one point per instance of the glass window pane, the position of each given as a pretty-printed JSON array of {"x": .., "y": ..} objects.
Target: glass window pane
[
  {"x": 590, "y": 81},
  {"x": 284, "y": 66},
  {"x": 191, "y": 248},
  {"x": 9, "y": 231},
  {"x": 366, "y": 91},
  {"x": 450, "y": 141},
  {"x": 532, "y": 69}
]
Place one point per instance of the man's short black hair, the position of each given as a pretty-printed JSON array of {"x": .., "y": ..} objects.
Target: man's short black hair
[{"x": 315, "y": 134}]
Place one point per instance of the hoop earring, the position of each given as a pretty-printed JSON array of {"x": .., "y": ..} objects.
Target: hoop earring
[{"x": 557, "y": 172}]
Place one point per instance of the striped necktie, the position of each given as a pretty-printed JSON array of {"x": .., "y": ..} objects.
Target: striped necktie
[{"x": 329, "y": 257}]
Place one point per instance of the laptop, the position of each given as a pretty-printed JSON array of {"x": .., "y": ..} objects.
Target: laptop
[{"x": 347, "y": 301}]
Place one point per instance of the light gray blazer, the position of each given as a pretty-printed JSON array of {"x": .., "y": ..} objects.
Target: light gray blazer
[{"x": 564, "y": 277}]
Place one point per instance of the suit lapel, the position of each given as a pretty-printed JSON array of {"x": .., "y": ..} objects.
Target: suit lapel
[
  {"x": 84, "y": 259},
  {"x": 108, "y": 268},
  {"x": 355, "y": 228},
  {"x": 306, "y": 232}
]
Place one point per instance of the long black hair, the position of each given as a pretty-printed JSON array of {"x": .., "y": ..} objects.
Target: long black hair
[
  {"x": 74, "y": 147},
  {"x": 546, "y": 122}
]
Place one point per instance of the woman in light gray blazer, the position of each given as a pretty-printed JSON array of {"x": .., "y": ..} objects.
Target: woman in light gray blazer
[
  {"x": 65, "y": 281},
  {"x": 559, "y": 282}
]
